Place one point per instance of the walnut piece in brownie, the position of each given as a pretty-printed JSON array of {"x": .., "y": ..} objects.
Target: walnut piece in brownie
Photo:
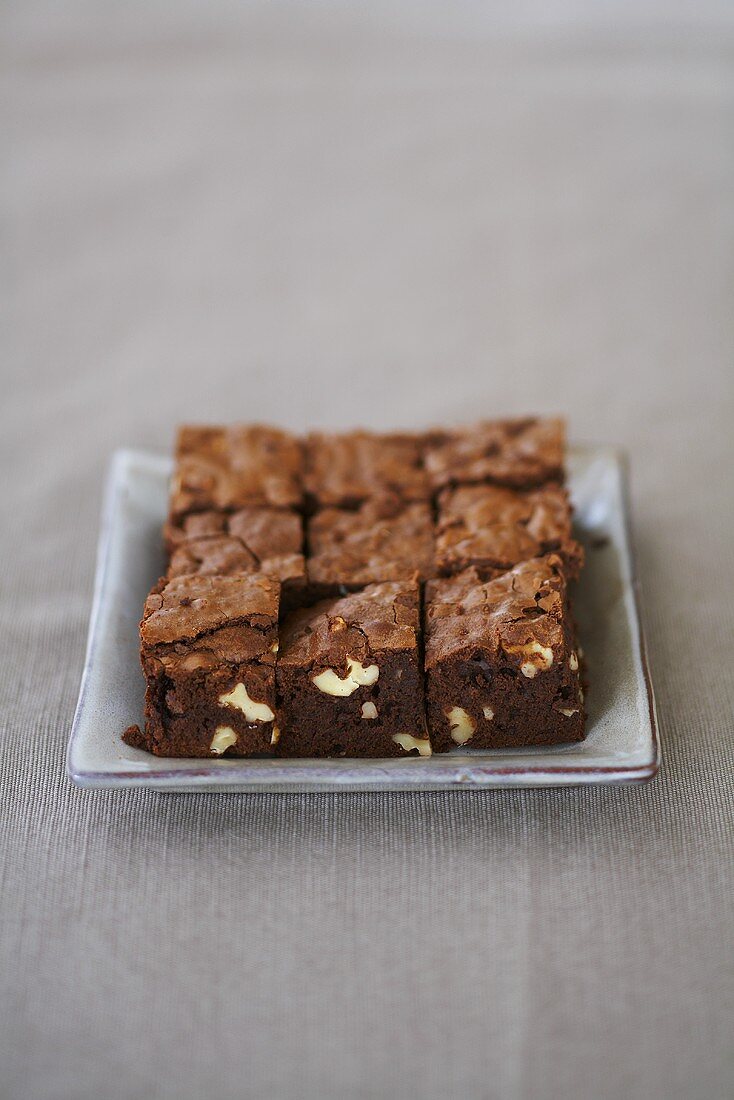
[
  {"x": 349, "y": 676},
  {"x": 501, "y": 659},
  {"x": 383, "y": 540},
  {"x": 252, "y": 540},
  {"x": 494, "y": 528},
  {"x": 227, "y": 468},
  {"x": 518, "y": 453},
  {"x": 208, "y": 648},
  {"x": 344, "y": 470}
]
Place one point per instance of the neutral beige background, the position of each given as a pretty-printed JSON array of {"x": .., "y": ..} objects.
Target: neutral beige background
[{"x": 378, "y": 214}]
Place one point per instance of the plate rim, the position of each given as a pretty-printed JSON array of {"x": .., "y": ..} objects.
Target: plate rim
[{"x": 238, "y": 777}]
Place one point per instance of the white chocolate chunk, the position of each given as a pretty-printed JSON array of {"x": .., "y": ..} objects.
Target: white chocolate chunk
[
  {"x": 462, "y": 725},
  {"x": 488, "y": 713},
  {"x": 275, "y": 736},
  {"x": 224, "y": 736},
  {"x": 540, "y": 657},
  {"x": 357, "y": 676},
  {"x": 407, "y": 742},
  {"x": 573, "y": 662},
  {"x": 253, "y": 712},
  {"x": 275, "y": 647},
  {"x": 369, "y": 710},
  {"x": 568, "y": 713}
]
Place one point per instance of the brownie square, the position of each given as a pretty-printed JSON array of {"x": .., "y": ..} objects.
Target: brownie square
[
  {"x": 519, "y": 453},
  {"x": 252, "y": 540},
  {"x": 344, "y": 470},
  {"x": 227, "y": 468},
  {"x": 208, "y": 648},
  {"x": 383, "y": 540},
  {"x": 349, "y": 676},
  {"x": 494, "y": 528},
  {"x": 501, "y": 659}
]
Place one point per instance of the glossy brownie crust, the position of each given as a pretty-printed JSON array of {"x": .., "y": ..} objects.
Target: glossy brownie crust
[
  {"x": 383, "y": 540},
  {"x": 252, "y": 540},
  {"x": 501, "y": 663},
  {"x": 493, "y": 528},
  {"x": 344, "y": 470},
  {"x": 204, "y": 638},
  {"x": 349, "y": 676},
  {"x": 520, "y": 454},
  {"x": 227, "y": 468}
]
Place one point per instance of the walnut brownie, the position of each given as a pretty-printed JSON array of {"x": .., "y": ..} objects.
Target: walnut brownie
[
  {"x": 208, "y": 648},
  {"x": 494, "y": 528},
  {"x": 349, "y": 676},
  {"x": 520, "y": 453},
  {"x": 383, "y": 540},
  {"x": 227, "y": 468},
  {"x": 252, "y": 540},
  {"x": 501, "y": 659},
  {"x": 344, "y": 470},
  {"x": 261, "y": 524}
]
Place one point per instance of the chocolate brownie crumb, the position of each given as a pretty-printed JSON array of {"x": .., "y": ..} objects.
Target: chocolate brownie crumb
[{"x": 135, "y": 738}]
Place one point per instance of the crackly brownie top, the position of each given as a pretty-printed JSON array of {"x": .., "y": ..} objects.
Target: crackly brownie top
[
  {"x": 228, "y": 468},
  {"x": 498, "y": 527},
  {"x": 343, "y": 470},
  {"x": 382, "y": 617},
  {"x": 519, "y": 614},
  {"x": 520, "y": 453},
  {"x": 252, "y": 540},
  {"x": 384, "y": 540},
  {"x": 197, "y": 621}
]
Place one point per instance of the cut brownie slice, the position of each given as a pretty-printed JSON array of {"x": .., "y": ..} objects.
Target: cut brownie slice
[
  {"x": 344, "y": 470},
  {"x": 226, "y": 468},
  {"x": 383, "y": 540},
  {"x": 208, "y": 648},
  {"x": 349, "y": 676},
  {"x": 253, "y": 540},
  {"x": 501, "y": 661},
  {"x": 518, "y": 453},
  {"x": 493, "y": 528}
]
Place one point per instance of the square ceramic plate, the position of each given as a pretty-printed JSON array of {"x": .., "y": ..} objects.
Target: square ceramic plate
[{"x": 621, "y": 746}]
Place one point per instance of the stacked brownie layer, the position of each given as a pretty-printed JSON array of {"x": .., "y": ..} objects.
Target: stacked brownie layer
[{"x": 364, "y": 595}]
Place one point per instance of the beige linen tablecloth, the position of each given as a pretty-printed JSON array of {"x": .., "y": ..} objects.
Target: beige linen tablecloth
[{"x": 384, "y": 215}]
